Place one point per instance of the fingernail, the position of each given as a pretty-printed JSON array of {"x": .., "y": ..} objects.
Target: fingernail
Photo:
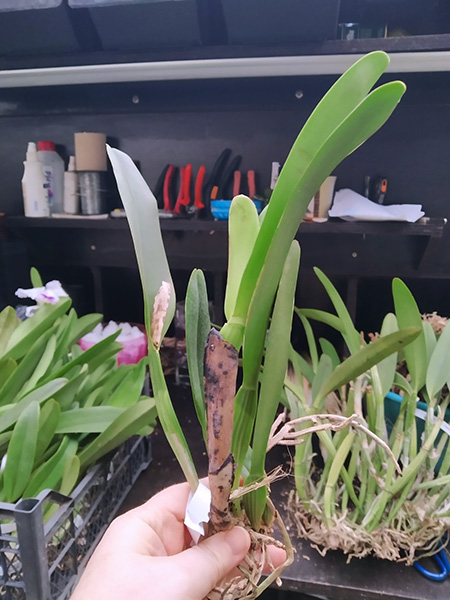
[{"x": 238, "y": 539}]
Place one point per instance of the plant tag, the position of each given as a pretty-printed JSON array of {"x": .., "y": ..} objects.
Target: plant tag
[
  {"x": 197, "y": 511},
  {"x": 421, "y": 414}
]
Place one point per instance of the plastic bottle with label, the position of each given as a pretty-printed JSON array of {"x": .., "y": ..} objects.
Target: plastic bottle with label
[
  {"x": 34, "y": 190},
  {"x": 54, "y": 174},
  {"x": 71, "y": 198}
]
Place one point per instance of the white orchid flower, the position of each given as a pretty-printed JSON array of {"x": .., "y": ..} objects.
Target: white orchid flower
[{"x": 50, "y": 293}]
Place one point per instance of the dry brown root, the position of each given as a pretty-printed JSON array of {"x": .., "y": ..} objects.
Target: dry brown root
[
  {"x": 411, "y": 536},
  {"x": 246, "y": 586}
]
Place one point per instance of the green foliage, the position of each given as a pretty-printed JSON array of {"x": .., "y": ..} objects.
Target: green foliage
[
  {"x": 360, "y": 384},
  {"x": 142, "y": 214},
  {"x": 197, "y": 326},
  {"x": 262, "y": 278},
  {"x": 49, "y": 431}
]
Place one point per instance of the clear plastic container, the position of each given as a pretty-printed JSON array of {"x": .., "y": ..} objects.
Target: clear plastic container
[
  {"x": 54, "y": 174},
  {"x": 71, "y": 198}
]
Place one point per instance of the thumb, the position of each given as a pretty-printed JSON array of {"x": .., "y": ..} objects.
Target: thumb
[{"x": 202, "y": 567}]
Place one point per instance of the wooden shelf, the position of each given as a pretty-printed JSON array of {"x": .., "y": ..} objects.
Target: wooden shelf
[
  {"x": 431, "y": 227},
  {"x": 192, "y": 243}
]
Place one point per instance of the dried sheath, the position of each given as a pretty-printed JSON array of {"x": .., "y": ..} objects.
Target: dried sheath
[{"x": 221, "y": 364}]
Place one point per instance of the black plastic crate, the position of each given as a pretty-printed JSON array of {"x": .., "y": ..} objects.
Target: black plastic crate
[
  {"x": 43, "y": 560},
  {"x": 36, "y": 26},
  {"x": 280, "y": 21},
  {"x": 142, "y": 24}
]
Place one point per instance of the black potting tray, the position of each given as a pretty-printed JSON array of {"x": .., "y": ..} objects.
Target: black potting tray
[{"x": 43, "y": 560}]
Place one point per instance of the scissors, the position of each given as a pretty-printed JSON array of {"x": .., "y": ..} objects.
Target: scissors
[{"x": 441, "y": 561}]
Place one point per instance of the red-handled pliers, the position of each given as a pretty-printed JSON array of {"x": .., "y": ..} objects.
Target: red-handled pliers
[
  {"x": 166, "y": 188},
  {"x": 250, "y": 183},
  {"x": 184, "y": 194},
  {"x": 198, "y": 198}
]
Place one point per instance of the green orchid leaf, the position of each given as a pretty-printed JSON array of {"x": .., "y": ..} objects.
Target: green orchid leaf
[
  {"x": 439, "y": 367},
  {"x": 311, "y": 342},
  {"x": 17, "y": 383},
  {"x": 197, "y": 326},
  {"x": 367, "y": 357},
  {"x": 124, "y": 426},
  {"x": 304, "y": 172},
  {"x": 30, "y": 330},
  {"x": 66, "y": 395},
  {"x": 7, "y": 368},
  {"x": 42, "y": 367},
  {"x": 38, "y": 395},
  {"x": 143, "y": 218},
  {"x": 245, "y": 404},
  {"x": 8, "y": 323},
  {"x": 36, "y": 279},
  {"x": 96, "y": 378},
  {"x": 21, "y": 451},
  {"x": 93, "y": 356},
  {"x": 49, "y": 474},
  {"x": 94, "y": 419},
  {"x": 328, "y": 349},
  {"x": 243, "y": 228},
  {"x": 63, "y": 328},
  {"x": 408, "y": 315},
  {"x": 70, "y": 475},
  {"x": 275, "y": 366},
  {"x": 130, "y": 388},
  {"x": 430, "y": 339},
  {"x": 340, "y": 101},
  {"x": 386, "y": 368},
  {"x": 324, "y": 372},
  {"x": 335, "y": 470},
  {"x": 48, "y": 421},
  {"x": 321, "y": 316},
  {"x": 403, "y": 384},
  {"x": 350, "y": 334},
  {"x": 301, "y": 366},
  {"x": 82, "y": 326}
]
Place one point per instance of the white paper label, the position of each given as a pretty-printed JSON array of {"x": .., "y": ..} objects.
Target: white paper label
[{"x": 197, "y": 511}]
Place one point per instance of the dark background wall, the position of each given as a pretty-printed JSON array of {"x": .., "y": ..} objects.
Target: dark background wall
[{"x": 182, "y": 122}]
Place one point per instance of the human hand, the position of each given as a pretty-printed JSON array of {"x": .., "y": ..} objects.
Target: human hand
[{"x": 145, "y": 554}]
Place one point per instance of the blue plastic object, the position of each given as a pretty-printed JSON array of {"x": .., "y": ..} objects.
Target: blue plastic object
[
  {"x": 220, "y": 209},
  {"x": 441, "y": 561},
  {"x": 392, "y": 402}
]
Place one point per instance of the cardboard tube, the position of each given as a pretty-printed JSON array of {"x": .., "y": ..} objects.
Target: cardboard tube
[{"x": 90, "y": 151}]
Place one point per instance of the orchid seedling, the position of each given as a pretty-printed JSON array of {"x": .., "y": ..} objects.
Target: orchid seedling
[
  {"x": 262, "y": 277},
  {"x": 390, "y": 500}
]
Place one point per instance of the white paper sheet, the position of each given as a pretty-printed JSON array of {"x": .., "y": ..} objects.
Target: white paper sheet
[
  {"x": 197, "y": 511},
  {"x": 351, "y": 206}
]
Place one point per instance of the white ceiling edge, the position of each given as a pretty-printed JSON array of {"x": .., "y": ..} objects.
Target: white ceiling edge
[{"x": 223, "y": 68}]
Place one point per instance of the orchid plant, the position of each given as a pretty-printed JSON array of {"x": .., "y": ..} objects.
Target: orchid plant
[
  {"x": 262, "y": 277},
  {"x": 61, "y": 409},
  {"x": 392, "y": 499}
]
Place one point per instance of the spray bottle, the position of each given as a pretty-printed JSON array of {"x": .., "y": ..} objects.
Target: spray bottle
[{"x": 35, "y": 193}]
